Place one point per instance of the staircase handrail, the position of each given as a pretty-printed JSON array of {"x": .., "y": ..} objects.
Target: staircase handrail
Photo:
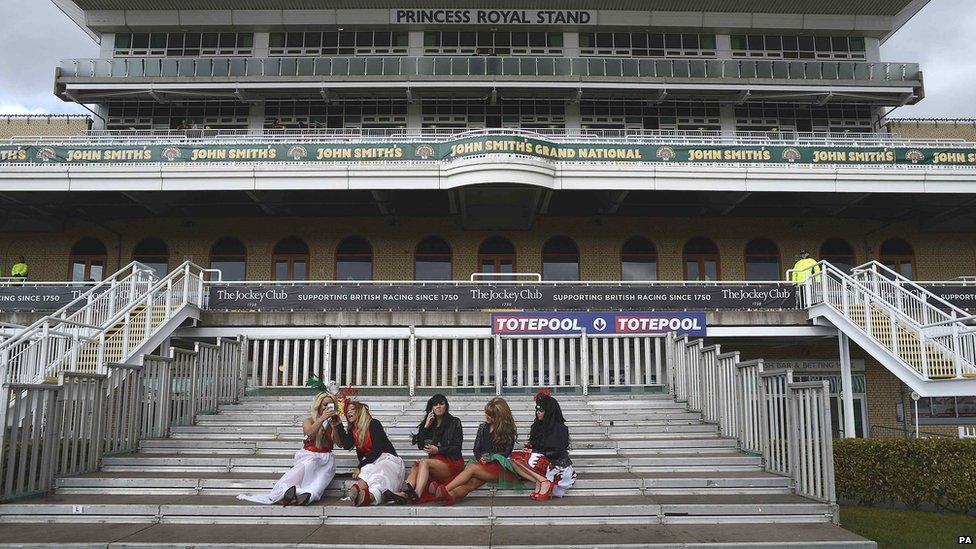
[
  {"x": 182, "y": 269},
  {"x": 828, "y": 268},
  {"x": 950, "y": 321},
  {"x": 873, "y": 266},
  {"x": 135, "y": 267}
]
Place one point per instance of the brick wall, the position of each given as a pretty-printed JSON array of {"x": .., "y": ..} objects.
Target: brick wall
[
  {"x": 938, "y": 256},
  {"x": 43, "y": 125}
]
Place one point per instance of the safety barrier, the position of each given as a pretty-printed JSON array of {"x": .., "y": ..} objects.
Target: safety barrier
[
  {"x": 65, "y": 428},
  {"x": 786, "y": 422},
  {"x": 459, "y": 361}
]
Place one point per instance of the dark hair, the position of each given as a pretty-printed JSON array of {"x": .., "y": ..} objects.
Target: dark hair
[
  {"x": 553, "y": 416},
  {"x": 434, "y": 401}
]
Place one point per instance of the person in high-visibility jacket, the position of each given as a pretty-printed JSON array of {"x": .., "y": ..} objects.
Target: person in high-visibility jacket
[
  {"x": 20, "y": 269},
  {"x": 804, "y": 268}
]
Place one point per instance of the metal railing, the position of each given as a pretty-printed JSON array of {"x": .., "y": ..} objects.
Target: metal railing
[
  {"x": 446, "y": 67},
  {"x": 459, "y": 361},
  {"x": 769, "y": 414},
  {"x": 921, "y": 331},
  {"x": 436, "y": 135},
  {"x": 108, "y": 323},
  {"x": 65, "y": 428}
]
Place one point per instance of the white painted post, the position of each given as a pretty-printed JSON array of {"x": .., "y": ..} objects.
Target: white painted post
[
  {"x": 847, "y": 384},
  {"x": 412, "y": 355},
  {"x": 498, "y": 364},
  {"x": 584, "y": 363}
]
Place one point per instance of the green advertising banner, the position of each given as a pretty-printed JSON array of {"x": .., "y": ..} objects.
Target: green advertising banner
[{"x": 482, "y": 145}]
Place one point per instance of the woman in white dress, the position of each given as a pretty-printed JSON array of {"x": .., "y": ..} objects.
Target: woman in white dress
[
  {"x": 314, "y": 465},
  {"x": 380, "y": 472}
]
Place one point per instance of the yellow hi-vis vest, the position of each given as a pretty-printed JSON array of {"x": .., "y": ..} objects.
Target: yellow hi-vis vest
[
  {"x": 19, "y": 269},
  {"x": 804, "y": 269}
]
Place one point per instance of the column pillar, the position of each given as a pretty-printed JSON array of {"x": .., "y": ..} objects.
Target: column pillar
[
  {"x": 723, "y": 46},
  {"x": 573, "y": 121},
  {"x": 847, "y": 384},
  {"x": 415, "y": 116},
  {"x": 727, "y": 119},
  {"x": 415, "y": 44},
  {"x": 255, "y": 116},
  {"x": 262, "y": 44}
]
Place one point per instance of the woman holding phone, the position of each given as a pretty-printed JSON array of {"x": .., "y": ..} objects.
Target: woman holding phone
[
  {"x": 314, "y": 465},
  {"x": 440, "y": 435}
]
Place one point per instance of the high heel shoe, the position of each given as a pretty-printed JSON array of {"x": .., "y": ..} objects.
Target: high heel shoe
[
  {"x": 303, "y": 499},
  {"x": 288, "y": 498},
  {"x": 441, "y": 493},
  {"x": 411, "y": 492},
  {"x": 547, "y": 495},
  {"x": 389, "y": 496}
]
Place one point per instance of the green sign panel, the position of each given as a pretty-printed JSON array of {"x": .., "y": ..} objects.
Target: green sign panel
[{"x": 203, "y": 153}]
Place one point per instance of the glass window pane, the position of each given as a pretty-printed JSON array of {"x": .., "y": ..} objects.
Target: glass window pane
[
  {"x": 123, "y": 41},
  {"x": 140, "y": 41},
  {"x": 639, "y": 269},
  {"x": 708, "y": 41},
  {"x": 231, "y": 269},
  {"x": 560, "y": 269},
  {"x": 711, "y": 270},
  {"x": 691, "y": 269},
  {"x": 762, "y": 268},
  {"x": 433, "y": 269},
  {"x": 281, "y": 270},
  {"x": 555, "y": 39},
  {"x": 95, "y": 272},
  {"x": 78, "y": 271},
  {"x": 299, "y": 270},
  {"x": 354, "y": 268}
]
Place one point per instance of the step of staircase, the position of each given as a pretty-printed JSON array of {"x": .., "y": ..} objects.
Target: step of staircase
[{"x": 642, "y": 462}]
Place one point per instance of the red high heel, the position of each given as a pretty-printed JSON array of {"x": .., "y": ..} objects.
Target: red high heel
[
  {"x": 547, "y": 495},
  {"x": 441, "y": 493}
]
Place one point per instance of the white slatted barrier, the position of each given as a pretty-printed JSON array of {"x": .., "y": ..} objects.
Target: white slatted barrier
[
  {"x": 207, "y": 377},
  {"x": 183, "y": 391},
  {"x": 768, "y": 413},
  {"x": 452, "y": 362},
  {"x": 28, "y": 458},
  {"x": 157, "y": 405},
  {"x": 121, "y": 409},
  {"x": 624, "y": 360}
]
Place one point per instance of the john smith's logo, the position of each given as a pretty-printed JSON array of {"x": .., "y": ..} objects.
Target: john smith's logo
[
  {"x": 171, "y": 153},
  {"x": 666, "y": 154},
  {"x": 791, "y": 155},
  {"x": 297, "y": 152},
  {"x": 915, "y": 156},
  {"x": 46, "y": 154},
  {"x": 425, "y": 152}
]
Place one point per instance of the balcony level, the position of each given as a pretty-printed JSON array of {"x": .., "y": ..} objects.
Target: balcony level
[{"x": 734, "y": 80}]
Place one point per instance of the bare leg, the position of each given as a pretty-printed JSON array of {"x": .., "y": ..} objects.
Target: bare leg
[
  {"x": 467, "y": 488},
  {"x": 436, "y": 470},
  {"x": 541, "y": 482},
  {"x": 463, "y": 477}
]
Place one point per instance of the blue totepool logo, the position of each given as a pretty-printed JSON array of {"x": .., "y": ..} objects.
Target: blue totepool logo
[{"x": 599, "y": 324}]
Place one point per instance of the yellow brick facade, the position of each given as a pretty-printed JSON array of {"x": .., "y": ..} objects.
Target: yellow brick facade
[
  {"x": 43, "y": 125},
  {"x": 938, "y": 256}
]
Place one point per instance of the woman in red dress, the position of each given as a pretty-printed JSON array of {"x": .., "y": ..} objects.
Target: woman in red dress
[
  {"x": 440, "y": 435},
  {"x": 492, "y": 446}
]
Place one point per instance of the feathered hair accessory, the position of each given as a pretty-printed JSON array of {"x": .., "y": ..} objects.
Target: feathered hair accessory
[
  {"x": 544, "y": 392},
  {"x": 343, "y": 396}
]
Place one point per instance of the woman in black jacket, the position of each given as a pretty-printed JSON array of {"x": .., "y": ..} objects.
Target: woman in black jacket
[
  {"x": 545, "y": 459},
  {"x": 380, "y": 470},
  {"x": 440, "y": 435},
  {"x": 492, "y": 446}
]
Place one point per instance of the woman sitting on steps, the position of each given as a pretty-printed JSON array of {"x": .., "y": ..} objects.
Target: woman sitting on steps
[
  {"x": 440, "y": 435},
  {"x": 380, "y": 470}
]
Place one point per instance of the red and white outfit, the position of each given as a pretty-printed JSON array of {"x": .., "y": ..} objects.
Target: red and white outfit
[{"x": 312, "y": 473}]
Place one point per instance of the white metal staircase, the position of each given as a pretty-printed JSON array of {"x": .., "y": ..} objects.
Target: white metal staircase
[
  {"x": 928, "y": 343},
  {"x": 116, "y": 321}
]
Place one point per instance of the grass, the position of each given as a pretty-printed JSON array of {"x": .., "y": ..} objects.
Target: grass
[{"x": 900, "y": 528}]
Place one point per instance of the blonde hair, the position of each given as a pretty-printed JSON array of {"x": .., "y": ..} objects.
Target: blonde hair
[
  {"x": 317, "y": 403},
  {"x": 363, "y": 419},
  {"x": 501, "y": 415}
]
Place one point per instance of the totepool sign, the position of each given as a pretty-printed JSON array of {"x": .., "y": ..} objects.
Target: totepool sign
[{"x": 562, "y": 323}]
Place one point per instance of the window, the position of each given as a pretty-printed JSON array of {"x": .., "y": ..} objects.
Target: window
[
  {"x": 838, "y": 253},
  {"x": 606, "y": 114},
  {"x": 762, "y": 260},
  {"x": 701, "y": 259},
  {"x": 638, "y": 260},
  {"x": 493, "y": 43},
  {"x": 510, "y": 113},
  {"x": 783, "y": 117},
  {"x": 314, "y": 44},
  {"x": 146, "y": 115},
  {"x": 642, "y": 44},
  {"x": 354, "y": 259},
  {"x": 184, "y": 44},
  {"x": 339, "y": 114},
  {"x": 560, "y": 259},
  {"x": 432, "y": 260},
  {"x": 898, "y": 255},
  {"x": 154, "y": 254},
  {"x": 290, "y": 259},
  {"x": 88, "y": 258},
  {"x": 230, "y": 256},
  {"x": 947, "y": 409},
  {"x": 496, "y": 255},
  {"x": 798, "y": 47}
]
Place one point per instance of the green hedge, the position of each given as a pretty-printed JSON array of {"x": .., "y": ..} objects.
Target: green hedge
[{"x": 940, "y": 472}]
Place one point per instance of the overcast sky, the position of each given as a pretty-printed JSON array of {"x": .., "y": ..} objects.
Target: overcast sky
[{"x": 35, "y": 35}]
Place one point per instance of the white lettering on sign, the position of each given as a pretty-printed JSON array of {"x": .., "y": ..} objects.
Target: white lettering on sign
[{"x": 493, "y": 17}]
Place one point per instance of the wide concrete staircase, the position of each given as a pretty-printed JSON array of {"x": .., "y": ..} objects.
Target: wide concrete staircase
[{"x": 650, "y": 473}]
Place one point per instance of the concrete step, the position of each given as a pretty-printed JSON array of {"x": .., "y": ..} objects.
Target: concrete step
[{"x": 627, "y": 509}]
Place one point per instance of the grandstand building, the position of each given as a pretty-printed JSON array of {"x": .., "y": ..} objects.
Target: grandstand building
[{"x": 394, "y": 169}]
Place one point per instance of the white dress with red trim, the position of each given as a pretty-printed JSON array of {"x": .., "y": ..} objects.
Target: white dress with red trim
[{"x": 312, "y": 473}]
